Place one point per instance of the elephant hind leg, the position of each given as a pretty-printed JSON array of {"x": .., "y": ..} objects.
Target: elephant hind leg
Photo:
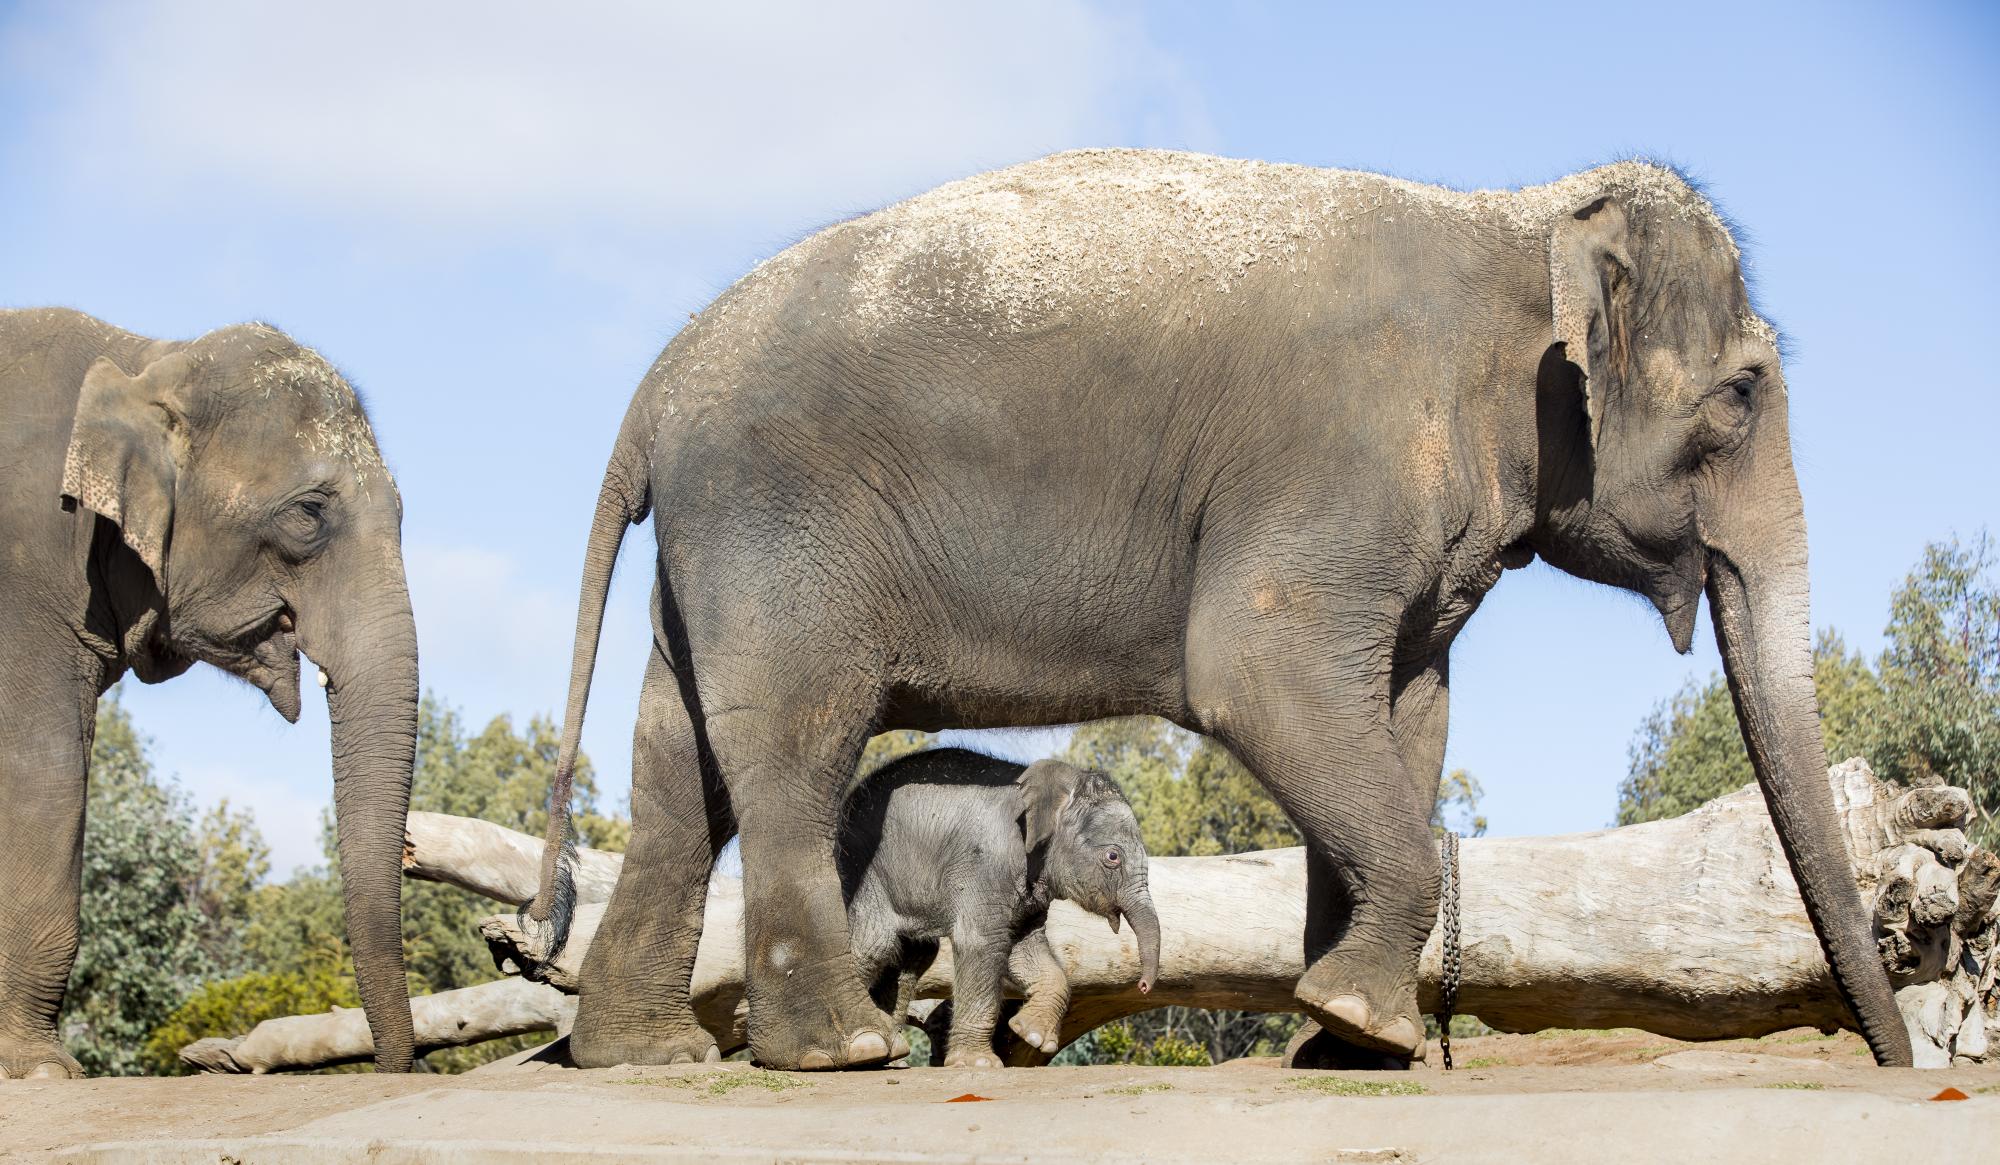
[
  {"x": 635, "y": 1006},
  {"x": 1033, "y": 967}
]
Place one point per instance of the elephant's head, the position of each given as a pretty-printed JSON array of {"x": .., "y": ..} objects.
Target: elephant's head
[
  {"x": 1666, "y": 469},
  {"x": 1086, "y": 839},
  {"x": 240, "y": 469}
]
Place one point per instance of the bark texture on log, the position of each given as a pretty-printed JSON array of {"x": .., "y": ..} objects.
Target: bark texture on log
[{"x": 1691, "y": 927}]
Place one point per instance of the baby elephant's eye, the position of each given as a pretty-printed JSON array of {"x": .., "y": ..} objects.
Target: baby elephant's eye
[{"x": 1112, "y": 857}]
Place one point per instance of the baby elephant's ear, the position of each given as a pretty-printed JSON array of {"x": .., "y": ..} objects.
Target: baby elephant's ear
[{"x": 1047, "y": 787}]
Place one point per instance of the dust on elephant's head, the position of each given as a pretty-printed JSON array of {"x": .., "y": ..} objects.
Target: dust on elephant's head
[
  {"x": 241, "y": 470},
  {"x": 1682, "y": 450}
]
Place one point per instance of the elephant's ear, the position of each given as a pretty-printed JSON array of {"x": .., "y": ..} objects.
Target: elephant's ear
[
  {"x": 121, "y": 452},
  {"x": 1590, "y": 274},
  {"x": 1047, "y": 788}
]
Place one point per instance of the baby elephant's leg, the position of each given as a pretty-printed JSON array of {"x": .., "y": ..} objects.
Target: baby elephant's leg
[
  {"x": 979, "y": 971},
  {"x": 1034, "y": 968},
  {"x": 918, "y": 955}
]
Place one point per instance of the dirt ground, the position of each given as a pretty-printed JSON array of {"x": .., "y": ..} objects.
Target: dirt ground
[{"x": 1557, "y": 1096}]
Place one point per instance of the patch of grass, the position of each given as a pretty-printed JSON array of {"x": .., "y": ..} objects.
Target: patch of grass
[
  {"x": 1140, "y": 1089},
  {"x": 1487, "y": 1062},
  {"x": 1797, "y": 1085},
  {"x": 1341, "y": 1086},
  {"x": 724, "y": 1083},
  {"x": 1803, "y": 1038},
  {"x": 1649, "y": 1053},
  {"x": 1988, "y": 1088}
]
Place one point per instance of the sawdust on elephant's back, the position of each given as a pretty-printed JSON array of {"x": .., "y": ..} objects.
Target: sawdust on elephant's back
[{"x": 1013, "y": 249}]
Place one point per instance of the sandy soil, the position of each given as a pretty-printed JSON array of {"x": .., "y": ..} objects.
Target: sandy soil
[{"x": 1564, "y": 1096}]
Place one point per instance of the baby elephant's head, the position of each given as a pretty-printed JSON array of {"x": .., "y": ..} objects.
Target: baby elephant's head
[{"x": 1087, "y": 839}]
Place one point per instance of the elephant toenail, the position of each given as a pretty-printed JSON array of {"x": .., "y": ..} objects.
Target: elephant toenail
[
  {"x": 815, "y": 1061},
  {"x": 899, "y": 1047},
  {"x": 867, "y": 1046},
  {"x": 712, "y": 1056},
  {"x": 1405, "y": 1035},
  {"x": 1349, "y": 1010},
  {"x": 48, "y": 1072},
  {"x": 1035, "y": 1038}
]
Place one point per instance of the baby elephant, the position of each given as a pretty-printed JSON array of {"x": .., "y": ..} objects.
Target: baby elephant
[{"x": 952, "y": 844}]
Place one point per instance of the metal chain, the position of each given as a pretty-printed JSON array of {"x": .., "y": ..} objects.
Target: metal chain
[{"x": 1448, "y": 981}]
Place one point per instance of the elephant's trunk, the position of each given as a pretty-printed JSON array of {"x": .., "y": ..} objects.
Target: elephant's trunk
[
  {"x": 364, "y": 638},
  {"x": 1763, "y": 629},
  {"x": 1136, "y": 904}
]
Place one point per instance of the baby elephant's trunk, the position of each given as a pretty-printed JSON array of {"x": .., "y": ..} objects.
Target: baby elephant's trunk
[{"x": 1136, "y": 904}]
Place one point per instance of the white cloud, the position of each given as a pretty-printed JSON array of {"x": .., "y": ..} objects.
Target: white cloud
[{"x": 501, "y": 110}]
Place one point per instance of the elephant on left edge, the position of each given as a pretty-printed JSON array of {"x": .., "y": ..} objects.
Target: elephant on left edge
[{"x": 163, "y": 502}]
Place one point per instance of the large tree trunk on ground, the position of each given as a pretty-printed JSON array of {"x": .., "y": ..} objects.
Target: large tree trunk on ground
[
  {"x": 469, "y": 1015},
  {"x": 1691, "y": 928}
]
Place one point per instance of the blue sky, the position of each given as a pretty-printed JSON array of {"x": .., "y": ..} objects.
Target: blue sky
[{"x": 494, "y": 215}]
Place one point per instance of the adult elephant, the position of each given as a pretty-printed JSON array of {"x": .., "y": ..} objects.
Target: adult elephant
[
  {"x": 221, "y": 500},
  {"x": 1240, "y": 445}
]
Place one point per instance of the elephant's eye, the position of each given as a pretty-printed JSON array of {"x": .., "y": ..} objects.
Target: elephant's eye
[
  {"x": 303, "y": 522},
  {"x": 1112, "y": 857}
]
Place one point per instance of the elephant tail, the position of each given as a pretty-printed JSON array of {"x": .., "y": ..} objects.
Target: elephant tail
[{"x": 623, "y": 500}]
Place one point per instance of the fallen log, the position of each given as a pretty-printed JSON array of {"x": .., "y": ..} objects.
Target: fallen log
[
  {"x": 1691, "y": 927},
  {"x": 468, "y": 1015}
]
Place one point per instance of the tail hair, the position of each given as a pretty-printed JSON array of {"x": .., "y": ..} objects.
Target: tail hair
[{"x": 547, "y": 917}]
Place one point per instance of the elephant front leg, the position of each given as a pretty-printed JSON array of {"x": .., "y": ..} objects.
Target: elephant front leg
[
  {"x": 1418, "y": 716},
  {"x": 44, "y": 749},
  {"x": 634, "y": 1005},
  {"x": 1034, "y": 968},
  {"x": 1302, "y": 697}
]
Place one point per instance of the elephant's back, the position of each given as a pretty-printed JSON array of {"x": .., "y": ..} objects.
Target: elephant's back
[{"x": 1147, "y": 240}]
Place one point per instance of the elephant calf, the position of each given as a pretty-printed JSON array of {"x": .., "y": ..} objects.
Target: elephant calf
[{"x": 952, "y": 844}]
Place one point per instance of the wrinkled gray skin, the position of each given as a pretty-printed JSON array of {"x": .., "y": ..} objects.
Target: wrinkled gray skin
[
  {"x": 1235, "y": 444},
  {"x": 952, "y": 844},
  {"x": 165, "y": 502}
]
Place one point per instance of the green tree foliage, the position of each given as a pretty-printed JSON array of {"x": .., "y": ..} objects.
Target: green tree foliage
[
  {"x": 141, "y": 949},
  {"x": 1194, "y": 798},
  {"x": 1940, "y": 678},
  {"x": 234, "y": 861},
  {"x": 1690, "y": 750}
]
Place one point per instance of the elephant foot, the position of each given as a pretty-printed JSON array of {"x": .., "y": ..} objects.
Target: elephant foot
[
  {"x": 1312, "y": 1046},
  {"x": 37, "y": 1060},
  {"x": 1038, "y": 1027},
  {"x": 853, "y": 1032},
  {"x": 1383, "y": 1020},
  {"x": 592, "y": 1047},
  {"x": 980, "y": 1057}
]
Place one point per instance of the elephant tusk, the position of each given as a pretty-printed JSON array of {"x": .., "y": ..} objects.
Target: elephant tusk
[{"x": 323, "y": 680}]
